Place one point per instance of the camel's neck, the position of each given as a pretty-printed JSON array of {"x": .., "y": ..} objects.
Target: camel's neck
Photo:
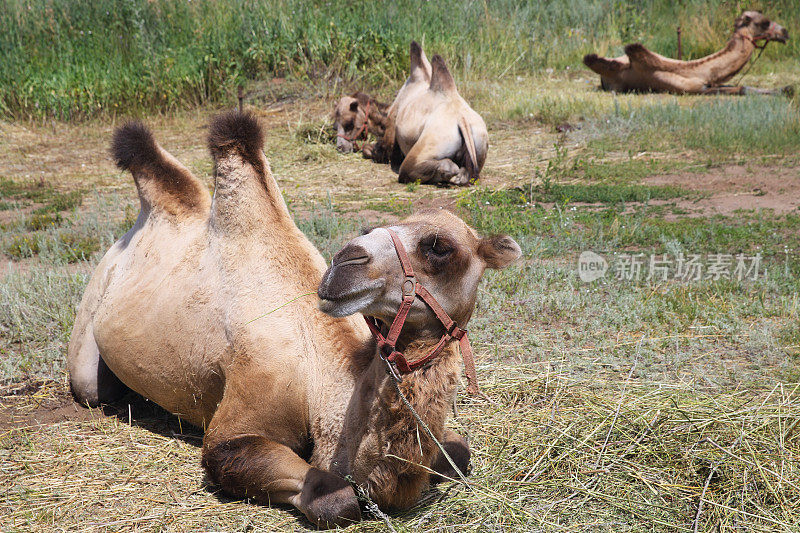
[
  {"x": 386, "y": 444},
  {"x": 723, "y": 65}
]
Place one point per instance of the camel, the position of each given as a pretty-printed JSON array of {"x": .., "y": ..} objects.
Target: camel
[
  {"x": 207, "y": 307},
  {"x": 642, "y": 70},
  {"x": 438, "y": 137},
  {"x": 356, "y": 116}
]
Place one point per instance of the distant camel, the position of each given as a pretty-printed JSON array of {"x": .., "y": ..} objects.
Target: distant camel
[
  {"x": 642, "y": 70},
  {"x": 356, "y": 116},
  {"x": 438, "y": 137}
]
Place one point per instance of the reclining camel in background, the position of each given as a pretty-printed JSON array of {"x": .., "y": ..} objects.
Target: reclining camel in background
[
  {"x": 642, "y": 70},
  {"x": 293, "y": 400},
  {"x": 354, "y": 117},
  {"x": 434, "y": 132}
]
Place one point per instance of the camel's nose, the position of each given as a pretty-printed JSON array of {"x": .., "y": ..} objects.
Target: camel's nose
[
  {"x": 778, "y": 33},
  {"x": 352, "y": 254}
]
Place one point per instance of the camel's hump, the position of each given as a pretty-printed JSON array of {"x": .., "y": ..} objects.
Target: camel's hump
[
  {"x": 162, "y": 181},
  {"x": 239, "y": 132}
]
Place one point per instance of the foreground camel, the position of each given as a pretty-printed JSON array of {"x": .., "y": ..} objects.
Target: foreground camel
[
  {"x": 356, "y": 116},
  {"x": 207, "y": 308},
  {"x": 438, "y": 137},
  {"x": 642, "y": 70}
]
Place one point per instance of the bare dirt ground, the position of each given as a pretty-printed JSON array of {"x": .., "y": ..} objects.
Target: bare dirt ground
[{"x": 733, "y": 187}]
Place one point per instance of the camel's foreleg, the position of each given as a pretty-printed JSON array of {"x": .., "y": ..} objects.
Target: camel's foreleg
[
  {"x": 724, "y": 89},
  {"x": 252, "y": 466}
]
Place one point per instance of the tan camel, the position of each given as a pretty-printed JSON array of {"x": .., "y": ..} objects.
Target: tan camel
[
  {"x": 207, "y": 308},
  {"x": 642, "y": 70},
  {"x": 356, "y": 116},
  {"x": 438, "y": 137}
]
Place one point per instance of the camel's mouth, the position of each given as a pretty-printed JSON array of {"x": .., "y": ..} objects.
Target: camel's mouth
[{"x": 341, "y": 305}]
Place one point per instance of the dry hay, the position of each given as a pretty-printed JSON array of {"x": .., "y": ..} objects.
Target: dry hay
[{"x": 551, "y": 453}]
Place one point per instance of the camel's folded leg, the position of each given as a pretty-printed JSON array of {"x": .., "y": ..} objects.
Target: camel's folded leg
[
  {"x": 671, "y": 82},
  {"x": 427, "y": 171},
  {"x": 246, "y": 463},
  {"x": 252, "y": 466},
  {"x": 725, "y": 89},
  {"x": 457, "y": 448}
]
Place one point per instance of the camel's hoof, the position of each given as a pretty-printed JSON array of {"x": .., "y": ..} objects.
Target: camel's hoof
[{"x": 328, "y": 500}]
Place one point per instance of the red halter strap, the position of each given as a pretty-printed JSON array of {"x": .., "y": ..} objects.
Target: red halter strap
[
  {"x": 362, "y": 129},
  {"x": 411, "y": 290}
]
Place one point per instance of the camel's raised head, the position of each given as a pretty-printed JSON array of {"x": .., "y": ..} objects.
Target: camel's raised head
[
  {"x": 759, "y": 27},
  {"x": 448, "y": 258},
  {"x": 351, "y": 118}
]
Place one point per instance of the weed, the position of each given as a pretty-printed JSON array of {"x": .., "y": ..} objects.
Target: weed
[
  {"x": 21, "y": 246},
  {"x": 75, "y": 247},
  {"x": 40, "y": 221}
]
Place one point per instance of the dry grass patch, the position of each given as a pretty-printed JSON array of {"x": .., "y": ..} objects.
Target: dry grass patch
[{"x": 551, "y": 454}]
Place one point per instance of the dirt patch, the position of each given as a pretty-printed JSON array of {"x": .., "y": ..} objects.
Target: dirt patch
[
  {"x": 732, "y": 187},
  {"x": 33, "y": 404}
]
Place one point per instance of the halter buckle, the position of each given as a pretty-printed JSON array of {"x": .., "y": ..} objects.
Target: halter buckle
[
  {"x": 410, "y": 286},
  {"x": 390, "y": 368}
]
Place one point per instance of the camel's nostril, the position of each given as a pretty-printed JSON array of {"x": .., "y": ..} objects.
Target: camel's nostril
[{"x": 352, "y": 254}]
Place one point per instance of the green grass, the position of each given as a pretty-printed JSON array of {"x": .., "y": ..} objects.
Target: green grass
[
  {"x": 80, "y": 59},
  {"x": 564, "y": 227},
  {"x": 721, "y": 126}
]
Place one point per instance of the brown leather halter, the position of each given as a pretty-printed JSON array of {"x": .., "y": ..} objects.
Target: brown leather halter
[
  {"x": 394, "y": 359},
  {"x": 363, "y": 129}
]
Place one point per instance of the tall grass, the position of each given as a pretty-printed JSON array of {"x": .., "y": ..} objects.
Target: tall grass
[{"x": 74, "y": 59}]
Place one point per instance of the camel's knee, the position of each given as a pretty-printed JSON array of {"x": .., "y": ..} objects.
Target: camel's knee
[
  {"x": 457, "y": 448},
  {"x": 91, "y": 381},
  {"x": 328, "y": 500}
]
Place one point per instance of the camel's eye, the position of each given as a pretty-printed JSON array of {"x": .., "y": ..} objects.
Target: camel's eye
[
  {"x": 435, "y": 247},
  {"x": 764, "y": 25}
]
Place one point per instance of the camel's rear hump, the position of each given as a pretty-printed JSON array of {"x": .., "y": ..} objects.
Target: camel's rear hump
[{"x": 164, "y": 184}]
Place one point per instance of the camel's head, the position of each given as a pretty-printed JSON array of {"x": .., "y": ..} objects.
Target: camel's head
[
  {"x": 448, "y": 258},
  {"x": 760, "y": 27},
  {"x": 353, "y": 117}
]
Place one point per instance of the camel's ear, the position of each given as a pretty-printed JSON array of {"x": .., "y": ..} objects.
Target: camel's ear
[
  {"x": 164, "y": 184},
  {"x": 499, "y": 251},
  {"x": 742, "y": 21},
  {"x": 441, "y": 79}
]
